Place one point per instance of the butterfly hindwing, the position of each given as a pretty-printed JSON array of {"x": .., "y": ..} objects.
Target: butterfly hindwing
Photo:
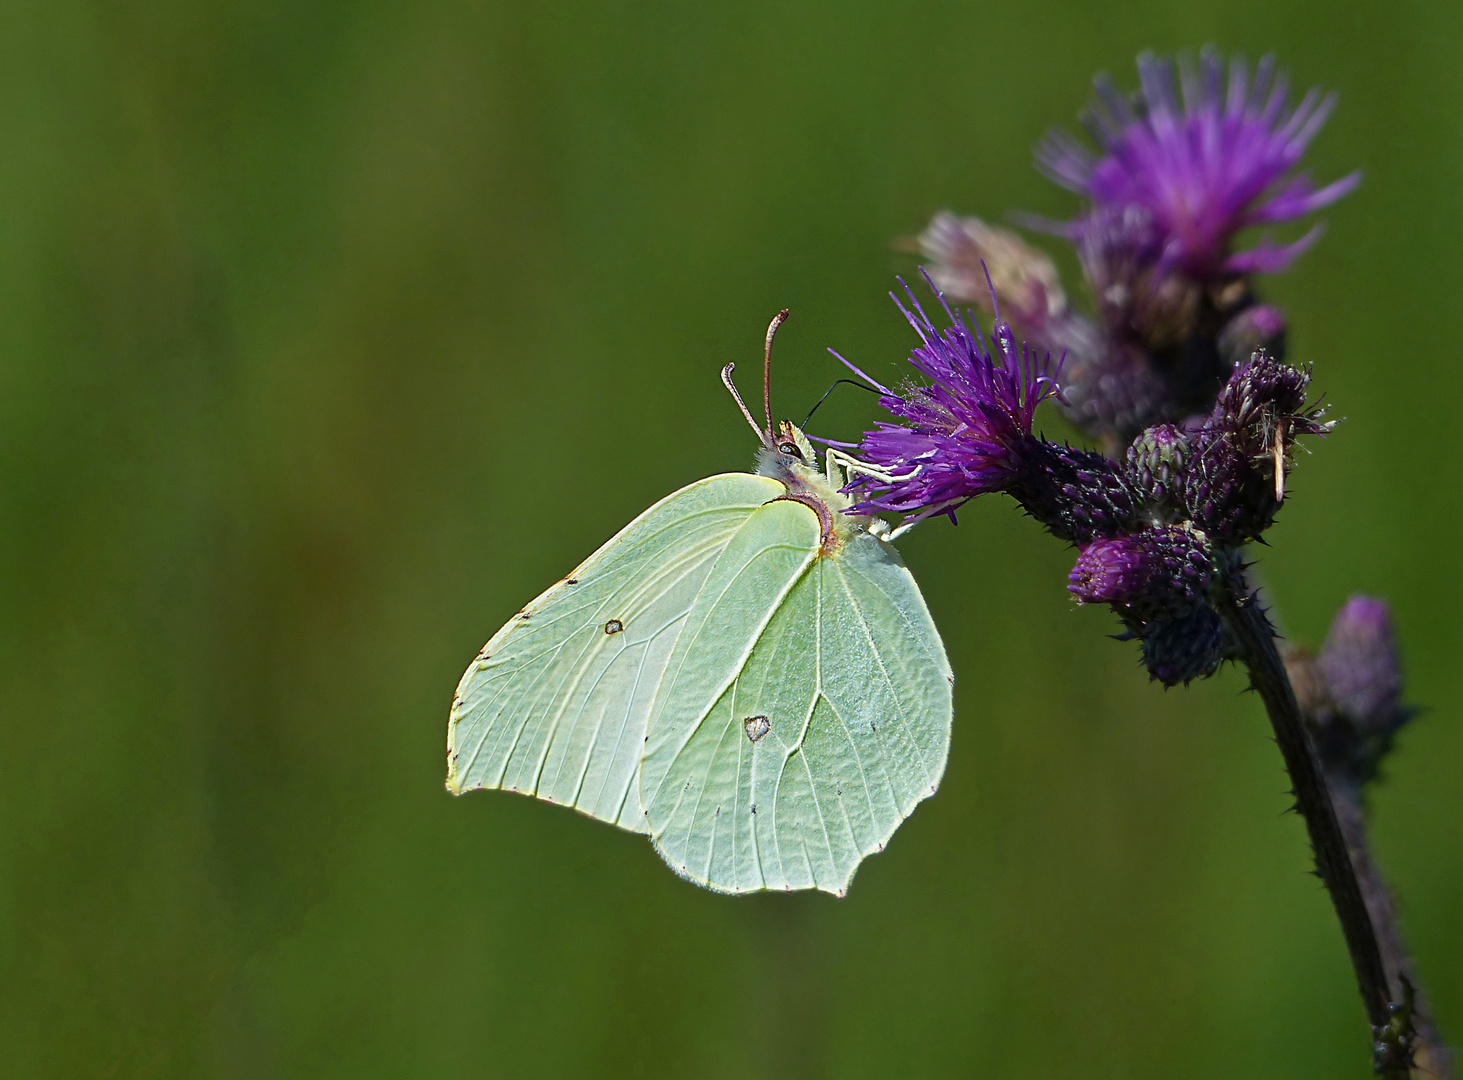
[
  {"x": 556, "y": 704},
  {"x": 816, "y": 729}
]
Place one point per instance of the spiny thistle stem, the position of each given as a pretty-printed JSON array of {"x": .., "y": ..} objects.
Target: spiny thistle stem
[
  {"x": 1434, "y": 1059},
  {"x": 1351, "y": 697},
  {"x": 1254, "y": 639}
]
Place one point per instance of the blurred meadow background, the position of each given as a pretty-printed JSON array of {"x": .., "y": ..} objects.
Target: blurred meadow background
[{"x": 332, "y": 333}]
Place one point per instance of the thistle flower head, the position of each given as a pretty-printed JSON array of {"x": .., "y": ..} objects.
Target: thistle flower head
[
  {"x": 1162, "y": 571},
  {"x": 1360, "y": 663},
  {"x": 960, "y": 434},
  {"x": 1110, "y": 570},
  {"x": 977, "y": 263},
  {"x": 1205, "y": 160},
  {"x": 1265, "y": 400},
  {"x": 1241, "y": 455}
]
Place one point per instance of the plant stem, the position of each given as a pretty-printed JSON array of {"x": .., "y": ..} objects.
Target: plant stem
[
  {"x": 1254, "y": 638},
  {"x": 1347, "y": 781},
  {"x": 1434, "y": 1059}
]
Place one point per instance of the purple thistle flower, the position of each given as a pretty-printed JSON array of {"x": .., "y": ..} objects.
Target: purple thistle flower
[
  {"x": 1204, "y": 164},
  {"x": 962, "y": 434}
]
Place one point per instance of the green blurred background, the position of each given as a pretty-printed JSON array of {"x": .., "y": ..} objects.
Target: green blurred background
[{"x": 333, "y": 332}]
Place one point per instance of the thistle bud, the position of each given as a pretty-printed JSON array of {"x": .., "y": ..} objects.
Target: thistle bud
[
  {"x": 1158, "y": 573},
  {"x": 1264, "y": 402},
  {"x": 1240, "y": 457},
  {"x": 1259, "y": 328},
  {"x": 1191, "y": 646},
  {"x": 1111, "y": 388},
  {"x": 1156, "y": 465},
  {"x": 1358, "y": 708},
  {"x": 1360, "y": 663}
]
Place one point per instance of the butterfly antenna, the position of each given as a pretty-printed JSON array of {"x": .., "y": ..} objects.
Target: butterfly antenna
[
  {"x": 726, "y": 377},
  {"x": 777, "y": 320},
  {"x": 835, "y": 386}
]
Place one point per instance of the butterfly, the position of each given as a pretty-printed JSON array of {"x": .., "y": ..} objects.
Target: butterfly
[{"x": 746, "y": 673}]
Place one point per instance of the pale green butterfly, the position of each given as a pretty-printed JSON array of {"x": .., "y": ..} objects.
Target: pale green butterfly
[{"x": 745, "y": 673}]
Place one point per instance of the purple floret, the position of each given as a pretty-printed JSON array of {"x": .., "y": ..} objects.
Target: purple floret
[
  {"x": 960, "y": 435},
  {"x": 1111, "y": 570},
  {"x": 1204, "y": 160}
]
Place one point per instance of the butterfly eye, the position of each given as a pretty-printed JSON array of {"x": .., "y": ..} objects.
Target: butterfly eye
[{"x": 790, "y": 449}]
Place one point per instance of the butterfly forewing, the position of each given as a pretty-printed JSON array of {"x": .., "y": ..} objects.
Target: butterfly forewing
[
  {"x": 557, "y": 702},
  {"x": 848, "y": 690}
]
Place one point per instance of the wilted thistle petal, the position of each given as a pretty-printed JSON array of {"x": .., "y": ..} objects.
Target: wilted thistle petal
[
  {"x": 1205, "y": 160},
  {"x": 969, "y": 259},
  {"x": 963, "y": 432}
]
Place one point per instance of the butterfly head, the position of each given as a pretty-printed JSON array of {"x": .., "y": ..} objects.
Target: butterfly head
[{"x": 787, "y": 456}]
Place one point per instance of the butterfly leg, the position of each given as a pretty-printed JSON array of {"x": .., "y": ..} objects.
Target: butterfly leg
[
  {"x": 847, "y": 467},
  {"x": 928, "y": 512},
  {"x": 843, "y": 467}
]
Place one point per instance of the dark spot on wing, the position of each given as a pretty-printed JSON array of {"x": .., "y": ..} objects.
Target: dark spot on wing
[
  {"x": 571, "y": 581},
  {"x": 614, "y": 626},
  {"x": 756, "y": 727}
]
